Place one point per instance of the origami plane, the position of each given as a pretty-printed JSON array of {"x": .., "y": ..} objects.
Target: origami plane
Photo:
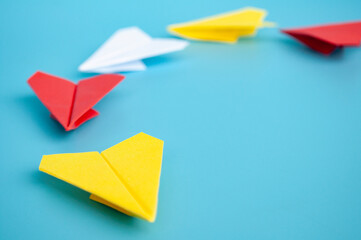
[
  {"x": 125, "y": 49},
  {"x": 227, "y": 27},
  {"x": 326, "y": 38},
  {"x": 71, "y": 104},
  {"x": 124, "y": 177}
]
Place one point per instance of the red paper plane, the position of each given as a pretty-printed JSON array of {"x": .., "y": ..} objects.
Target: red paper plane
[
  {"x": 71, "y": 104},
  {"x": 326, "y": 38}
]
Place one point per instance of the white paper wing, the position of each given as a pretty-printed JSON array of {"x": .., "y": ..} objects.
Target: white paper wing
[
  {"x": 121, "y": 42},
  {"x": 129, "y": 46}
]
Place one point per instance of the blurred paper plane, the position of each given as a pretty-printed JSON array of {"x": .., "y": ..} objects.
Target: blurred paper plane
[
  {"x": 226, "y": 27},
  {"x": 326, "y": 38}
]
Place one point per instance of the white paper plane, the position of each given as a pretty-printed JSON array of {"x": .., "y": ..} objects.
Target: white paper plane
[{"x": 125, "y": 49}]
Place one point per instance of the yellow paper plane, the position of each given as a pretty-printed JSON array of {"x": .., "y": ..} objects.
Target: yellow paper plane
[
  {"x": 124, "y": 177},
  {"x": 227, "y": 27}
]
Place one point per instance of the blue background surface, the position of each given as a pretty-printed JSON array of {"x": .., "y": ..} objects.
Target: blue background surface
[{"x": 262, "y": 138}]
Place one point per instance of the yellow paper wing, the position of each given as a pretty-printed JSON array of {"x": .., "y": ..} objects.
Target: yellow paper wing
[
  {"x": 221, "y": 35},
  {"x": 90, "y": 172},
  {"x": 239, "y": 18},
  {"x": 227, "y": 27},
  {"x": 137, "y": 163}
]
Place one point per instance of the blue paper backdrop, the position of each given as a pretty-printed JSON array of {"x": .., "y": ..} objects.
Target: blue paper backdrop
[{"x": 262, "y": 138}]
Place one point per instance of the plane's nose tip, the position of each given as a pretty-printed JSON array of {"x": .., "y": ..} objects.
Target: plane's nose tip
[{"x": 82, "y": 68}]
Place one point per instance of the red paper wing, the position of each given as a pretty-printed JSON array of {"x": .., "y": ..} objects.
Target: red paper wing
[
  {"x": 321, "y": 38},
  {"x": 314, "y": 43},
  {"x": 55, "y": 93},
  {"x": 88, "y": 93}
]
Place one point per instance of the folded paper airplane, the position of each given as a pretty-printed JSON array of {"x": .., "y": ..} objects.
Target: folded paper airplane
[
  {"x": 326, "y": 38},
  {"x": 69, "y": 103},
  {"x": 125, "y": 49},
  {"x": 124, "y": 177},
  {"x": 227, "y": 27}
]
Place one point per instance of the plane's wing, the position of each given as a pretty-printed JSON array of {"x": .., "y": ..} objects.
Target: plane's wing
[{"x": 57, "y": 94}]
